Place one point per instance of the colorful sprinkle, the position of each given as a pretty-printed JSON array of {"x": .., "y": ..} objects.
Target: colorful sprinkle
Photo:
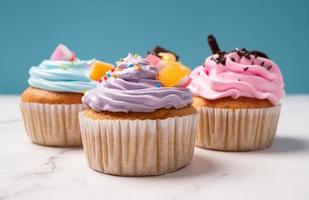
[
  {"x": 138, "y": 67},
  {"x": 130, "y": 65},
  {"x": 115, "y": 76},
  {"x": 105, "y": 78},
  {"x": 158, "y": 85}
]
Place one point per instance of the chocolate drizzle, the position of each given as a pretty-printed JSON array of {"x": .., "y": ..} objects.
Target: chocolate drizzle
[{"x": 158, "y": 49}]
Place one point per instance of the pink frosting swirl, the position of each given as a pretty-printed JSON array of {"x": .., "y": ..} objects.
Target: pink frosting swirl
[{"x": 235, "y": 75}]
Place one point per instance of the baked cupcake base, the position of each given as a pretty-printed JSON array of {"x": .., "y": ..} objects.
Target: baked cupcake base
[
  {"x": 243, "y": 125},
  {"x": 138, "y": 147},
  {"x": 49, "y": 122}
]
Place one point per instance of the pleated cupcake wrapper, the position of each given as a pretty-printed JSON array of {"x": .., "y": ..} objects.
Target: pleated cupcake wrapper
[
  {"x": 237, "y": 130},
  {"x": 138, "y": 147},
  {"x": 52, "y": 124}
]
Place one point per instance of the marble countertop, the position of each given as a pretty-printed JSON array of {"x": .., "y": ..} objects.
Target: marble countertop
[{"x": 29, "y": 171}]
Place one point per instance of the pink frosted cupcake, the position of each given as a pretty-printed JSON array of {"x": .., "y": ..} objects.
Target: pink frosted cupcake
[{"x": 238, "y": 97}]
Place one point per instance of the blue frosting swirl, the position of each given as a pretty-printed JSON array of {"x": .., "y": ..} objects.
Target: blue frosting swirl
[{"x": 61, "y": 76}]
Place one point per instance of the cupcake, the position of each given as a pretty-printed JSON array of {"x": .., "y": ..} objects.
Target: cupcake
[
  {"x": 50, "y": 105},
  {"x": 134, "y": 125},
  {"x": 238, "y": 97}
]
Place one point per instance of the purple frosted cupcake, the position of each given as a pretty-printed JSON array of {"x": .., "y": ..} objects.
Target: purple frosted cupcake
[{"x": 134, "y": 126}]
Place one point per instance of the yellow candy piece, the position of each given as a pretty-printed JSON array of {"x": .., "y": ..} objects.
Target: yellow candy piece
[
  {"x": 173, "y": 73},
  {"x": 99, "y": 69},
  {"x": 167, "y": 57}
]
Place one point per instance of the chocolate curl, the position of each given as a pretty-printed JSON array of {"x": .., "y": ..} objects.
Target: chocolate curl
[
  {"x": 213, "y": 44},
  {"x": 157, "y": 49}
]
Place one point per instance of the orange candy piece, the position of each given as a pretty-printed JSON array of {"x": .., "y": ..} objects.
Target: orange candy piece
[
  {"x": 99, "y": 69},
  {"x": 173, "y": 74}
]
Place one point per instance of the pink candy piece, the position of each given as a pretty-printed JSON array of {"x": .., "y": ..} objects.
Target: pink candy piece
[
  {"x": 152, "y": 59},
  {"x": 63, "y": 53}
]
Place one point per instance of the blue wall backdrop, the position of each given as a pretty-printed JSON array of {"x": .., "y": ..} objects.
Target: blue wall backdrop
[{"x": 107, "y": 30}]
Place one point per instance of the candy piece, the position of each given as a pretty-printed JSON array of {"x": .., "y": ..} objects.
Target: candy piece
[
  {"x": 63, "y": 53},
  {"x": 158, "y": 49},
  {"x": 152, "y": 59},
  {"x": 99, "y": 69},
  {"x": 174, "y": 75},
  {"x": 167, "y": 57}
]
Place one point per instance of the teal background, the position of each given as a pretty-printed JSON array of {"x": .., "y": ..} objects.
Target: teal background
[{"x": 107, "y": 30}]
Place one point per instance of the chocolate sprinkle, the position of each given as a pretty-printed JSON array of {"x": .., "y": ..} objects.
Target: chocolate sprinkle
[
  {"x": 259, "y": 54},
  {"x": 158, "y": 49},
  {"x": 221, "y": 59},
  {"x": 213, "y": 44}
]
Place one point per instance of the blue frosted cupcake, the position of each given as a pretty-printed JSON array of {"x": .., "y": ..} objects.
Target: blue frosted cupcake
[{"x": 51, "y": 103}]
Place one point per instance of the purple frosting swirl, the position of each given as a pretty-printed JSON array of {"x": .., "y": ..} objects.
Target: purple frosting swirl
[{"x": 135, "y": 90}]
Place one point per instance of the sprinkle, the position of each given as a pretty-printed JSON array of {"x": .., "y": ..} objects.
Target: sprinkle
[
  {"x": 158, "y": 85},
  {"x": 100, "y": 80},
  {"x": 246, "y": 68},
  {"x": 233, "y": 59},
  {"x": 130, "y": 65},
  {"x": 262, "y": 64},
  {"x": 105, "y": 78},
  {"x": 136, "y": 55},
  {"x": 108, "y": 74},
  {"x": 113, "y": 69},
  {"x": 63, "y": 66},
  {"x": 115, "y": 76},
  {"x": 137, "y": 67}
]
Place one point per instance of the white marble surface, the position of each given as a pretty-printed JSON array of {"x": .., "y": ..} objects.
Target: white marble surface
[{"x": 29, "y": 171}]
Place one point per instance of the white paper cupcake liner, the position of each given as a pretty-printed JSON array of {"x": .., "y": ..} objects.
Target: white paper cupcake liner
[
  {"x": 138, "y": 147},
  {"x": 237, "y": 129},
  {"x": 52, "y": 124}
]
